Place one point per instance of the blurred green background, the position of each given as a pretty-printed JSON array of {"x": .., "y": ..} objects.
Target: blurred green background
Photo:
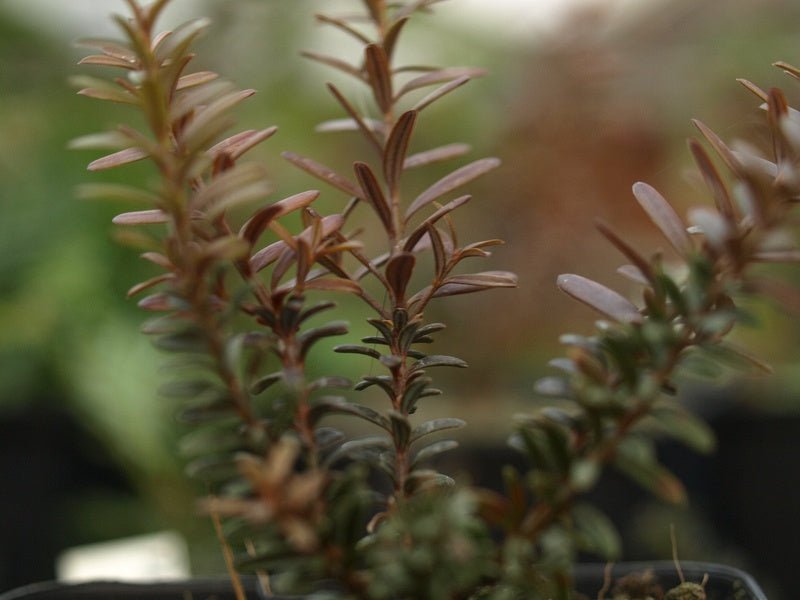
[{"x": 577, "y": 113}]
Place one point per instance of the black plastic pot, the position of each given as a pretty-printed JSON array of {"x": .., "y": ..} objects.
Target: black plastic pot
[{"x": 724, "y": 583}]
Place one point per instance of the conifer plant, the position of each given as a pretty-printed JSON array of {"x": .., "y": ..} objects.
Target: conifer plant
[{"x": 238, "y": 305}]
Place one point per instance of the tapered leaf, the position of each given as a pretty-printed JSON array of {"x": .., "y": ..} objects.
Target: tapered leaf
[
  {"x": 440, "y": 92},
  {"x": 142, "y": 217},
  {"x": 440, "y": 76},
  {"x": 106, "y": 140},
  {"x": 206, "y": 123},
  {"x": 379, "y": 76},
  {"x": 719, "y": 146},
  {"x": 595, "y": 532},
  {"x": 334, "y": 62},
  {"x": 432, "y": 450},
  {"x": 638, "y": 461},
  {"x": 451, "y": 182},
  {"x": 438, "y": 360},
  {"x": 153, "y": 281},
  {"x": 324, "y": 173},
  {"x": 362, "y": 124},
  {"x": 392, "y": 35},
  {"x": 329, "y": 284},
  {"x": 235, "y": 146},
  {"x": 259, "y": 222},
  {"x": 713, "y": 180},
  {"x": 436, "y": 155},
  {"x": 335, "y": 125},
  {"x": 629, "y": 251},
  {"x": 343, "y": 25},
  {"x": 476, "y": 282},
  {"x": 599, "y": 297},
  {"x": 123, "y": 157},
  {"x": 109, "y": 48},
  {"x": 373, "y": 194},
  {"x": 435, "y": 426},
  {"x": 416, "y": 235},
  {"x": 100, "y": 89},
  {"x": 664, "y": 217},
  {"x": 195, "y": 79},
  {"x": 394, "y": 154},
  {"x": 398, "y": 273}
]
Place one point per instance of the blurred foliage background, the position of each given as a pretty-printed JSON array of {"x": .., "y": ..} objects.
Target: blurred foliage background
[{"x": 576, "y": 113}]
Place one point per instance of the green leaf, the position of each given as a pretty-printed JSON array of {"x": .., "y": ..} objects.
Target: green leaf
[
  {"x": 669, "y": 418},
  {"x": 596, "y": 532},
  {"x": 435, "y": 426},
  {"x": 438, "y": 360},
  {"x": 431, "y": 450},
  {"x": 636, "y": 458}
]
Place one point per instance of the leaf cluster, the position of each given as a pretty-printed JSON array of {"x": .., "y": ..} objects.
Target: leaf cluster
[{"x": 237, "y": 306}]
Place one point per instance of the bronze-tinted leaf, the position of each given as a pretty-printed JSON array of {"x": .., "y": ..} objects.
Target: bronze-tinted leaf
[
  {"x": 196, "y": 98},
  {"x": 142, "y": 217},
  {"x": 267, "y": 255},
  {"x": 719, "y": 146},
  {"x": 440, "y": 76},
  {"x": 632, "y": 273},
  {"x": 343, "y": 25},
  {"x": 107, "y": 61},
  {"x": 440, "y": 92},
  {"x": 398, "y": 273},
  {"x": 195, "y": 79},
  {"x": 787, "y": 68},
  {"x": 367, "y": 130},
  {"x": 435, "y": 155},
  {"x": 629, "y": 251},
  {"x": 178, "y": 41},
  {"x": 451, "y": 182},
  {"x": 334, "y": 62},
  {"x": 713, "y": 180},
  {"x": 394, "y": 154},
  {"x": 109, "y": 48},
  {"x": 373, "y": 194},
  {"x": 139, "y": 287},
  {"x": 329, "y": 284},
  {"x": 664, "y": 217},
  {"x": 206, "y": 123},
  {"x": 324, "y": 173},
  {"x": 248, "y": 180},
  {"x": 236, "y": 145},
  {"x": 123, "y": 157},
  {"x": 422, "y": 228},
  {"x": 752, "y": 87},
  {"x": 254, "y": 227},
  {"x": 379, "y": 76},
  {"x": 392, "y": 35},
  {"x": 778, "y": 256},
  {"x": 599, "y": 297},
  {"x": 101, "y": 89},
  {"x": 476, "y": 282},
  {"x": 337, "y": 125}
]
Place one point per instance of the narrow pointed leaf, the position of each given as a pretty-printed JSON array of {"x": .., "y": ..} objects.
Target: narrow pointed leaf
[
  {"x": 439, "y": 360},
  {"x": 599, "y": 297},
  {"x": 435, "y": 426},
  {"x": 115, "y": 192},
  {"x": 719, "y": 146},
  {"x": 363, "y": 125},
  {"x": 629, "y": 251},
  {"x": 466, "y": 284},
  {"x": 324, "y": 173},
  {"x": 373, "y": 193},
  {"x": 440, "y": 92},
  {"x": 664, "y": 217},
  {"x": 259, "y": 222},
  {"x": 334, "y": 62},
  {"x": 436, "y": 155},
  {"x": 432, "y": 450},
  {"x": 713, "y": 180},
  {"x": 451, "y": 182},
  {"x": 398, "y": 273},
  {"x": 379, "y": 76},
  {"x": 195, "y": 79},
  {"x": 235, "y": 146},
  {"x": 440, "y": 76},
  {"x": 422, "y": 228},
  {"x": 142, "y": 217},
  {"x": 123, "y": 157},
  {"x": 394, "y": 154}
]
